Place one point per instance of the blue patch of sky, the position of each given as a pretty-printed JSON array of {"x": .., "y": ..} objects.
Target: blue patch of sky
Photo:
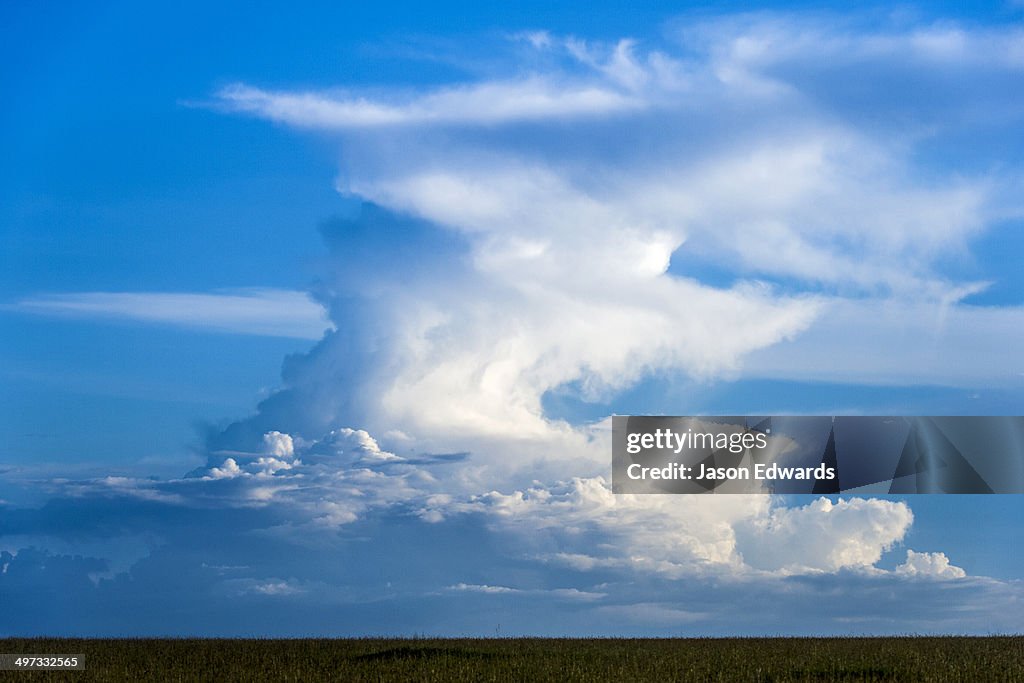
[
  {"x": 679, "y": 395},
  {"x": 995, "y": 257},
  {"x": 80, "y": 391},
  {"x": 716, "y": 270}
]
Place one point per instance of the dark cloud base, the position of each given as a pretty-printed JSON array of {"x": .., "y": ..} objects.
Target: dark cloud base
[{"x": 242, "y": 572}]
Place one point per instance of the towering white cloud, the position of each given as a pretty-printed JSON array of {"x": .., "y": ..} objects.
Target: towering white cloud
[
  {"x": 592, "y": 186},
  {"x": 594, "y": 183}
]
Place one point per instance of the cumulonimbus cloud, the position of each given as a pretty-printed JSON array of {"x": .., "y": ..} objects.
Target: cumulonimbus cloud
[
  {"x": 588, "y": 224},
  {"x": 589, "y": 221},
  {"x": 589, "y": 193}
]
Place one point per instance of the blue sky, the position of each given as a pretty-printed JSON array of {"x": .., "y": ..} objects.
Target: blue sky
[{"x": 310, "y": 319}]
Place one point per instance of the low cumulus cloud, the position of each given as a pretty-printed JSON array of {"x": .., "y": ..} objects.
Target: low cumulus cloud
[
  {"x": 933, "y": 565},
  {"x": 368, "y": 533},
  {"x": 319, "y": 487},
  {"x": 825, "y": 536}
]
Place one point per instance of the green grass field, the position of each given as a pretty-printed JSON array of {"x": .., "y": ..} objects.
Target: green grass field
[{"x": 536, "y": 659}]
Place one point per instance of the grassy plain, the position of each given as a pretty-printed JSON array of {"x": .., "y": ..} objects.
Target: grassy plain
[{"x": 534, "y": 659}]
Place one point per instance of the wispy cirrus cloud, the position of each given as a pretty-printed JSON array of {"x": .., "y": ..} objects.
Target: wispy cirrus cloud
[
  {"x": 263, "y": 312},
  {"x": 488, "y": 103}
]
